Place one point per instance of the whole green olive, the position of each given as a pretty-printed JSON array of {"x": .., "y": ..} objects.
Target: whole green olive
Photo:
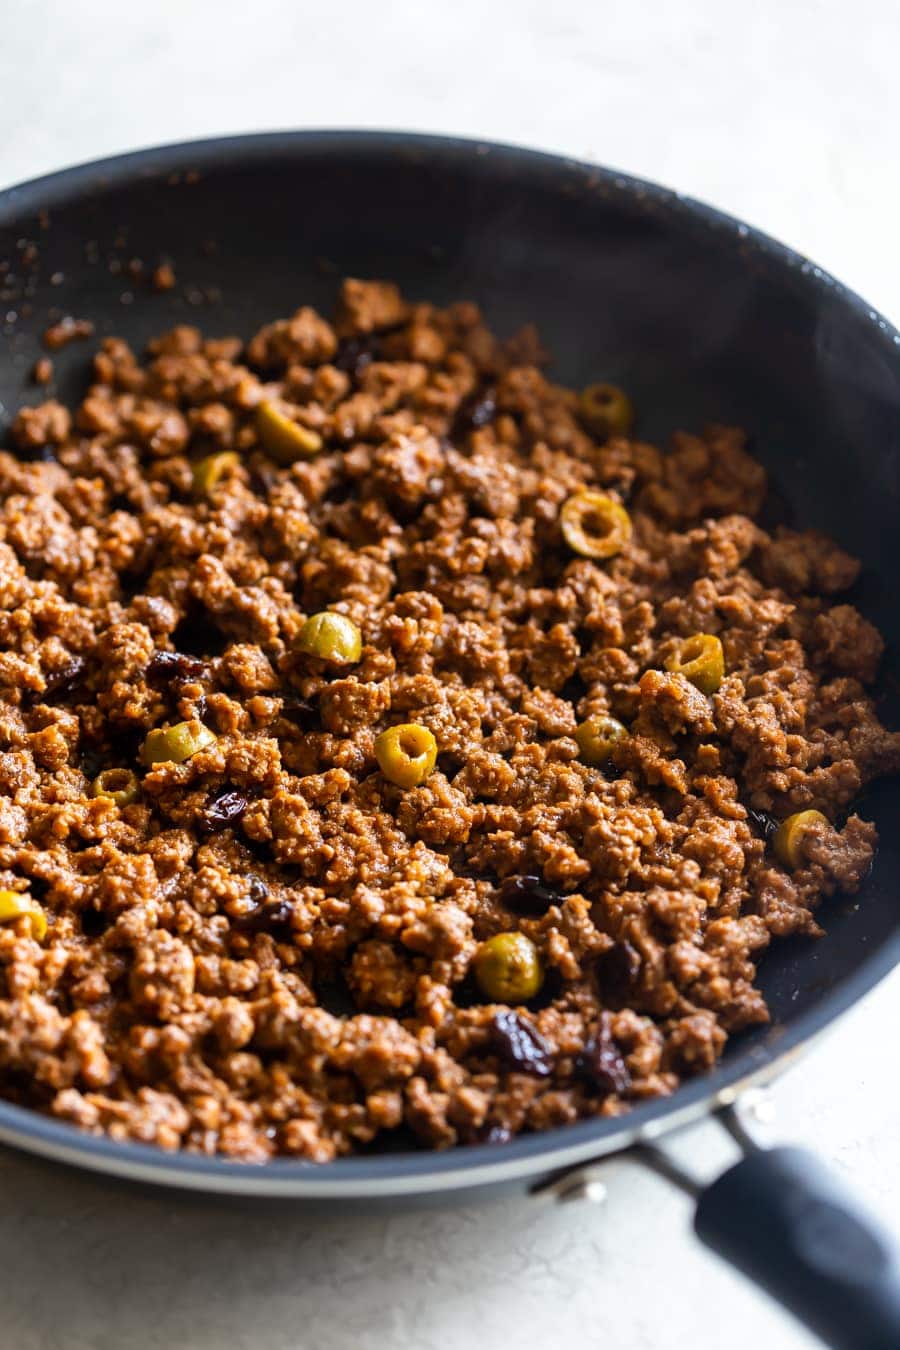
[
  {"x": 176, "y": 744},
  {"x": 508, "y": 968},
  {"x": 598, "y": 736},
  {"x": 406, "y": 754},
  {"x": 606, "y": 410},
  {"x": 331, "y": 637}
]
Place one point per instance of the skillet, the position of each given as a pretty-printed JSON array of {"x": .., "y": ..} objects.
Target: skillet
[{"x": 702, "y": 319}]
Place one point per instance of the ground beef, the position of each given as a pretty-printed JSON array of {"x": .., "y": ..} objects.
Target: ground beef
[{"x": 270, "y": 948}]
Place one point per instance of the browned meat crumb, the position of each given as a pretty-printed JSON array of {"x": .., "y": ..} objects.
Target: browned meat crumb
[
  {"x": 269, "y": 949},
  {"x": 67, "y": 330},
  {"x": 163, "y": 278},
  {"x": 49, "y": 423},
  {"x": 43, "y": 371}
]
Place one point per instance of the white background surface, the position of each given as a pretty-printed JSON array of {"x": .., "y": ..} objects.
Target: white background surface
[{"x": 784, "y": 113}]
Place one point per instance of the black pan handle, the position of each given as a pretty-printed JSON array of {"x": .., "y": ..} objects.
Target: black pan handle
[{"x": 784, "y": 1219}]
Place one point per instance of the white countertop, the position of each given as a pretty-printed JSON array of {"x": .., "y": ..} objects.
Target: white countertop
[{"x": 786, "y": 115}]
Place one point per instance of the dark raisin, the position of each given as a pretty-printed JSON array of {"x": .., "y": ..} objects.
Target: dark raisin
[
  {"x": 261, "y": 851},
  {"x": 173, "y": 666},
  {"x": 38, "y": 887},
  {"x": 601, "y": 1062},
  {"x": 340, "y": 491},
  {"x": 617, "y": 969},
  {"x": 94, "y": 923},
  {"x": 354, "y": 354},
  {"x": 91, "y": 763},
  {"x": 762, "y": 822},
  {"x": 263, "y": 478},
  {"x": 198, "y": 635},
  {"x": 301, "y": 711},
  {"x": 468, "y": 994},
  {"x": 266, "y": 918},
  {"x": 495, "y": 1134},
  {"x": 475, "y": 412},
  {"x": 258, "y": 889},
  {"x": 528, "y": 895},
  {"x": 227, "y": 808},
  {"x": 279, "y": 914},
  {"x": 574, "y": 689},
  {"x": 520, "y": 1044},
  {"x": 63, "y": 681}
]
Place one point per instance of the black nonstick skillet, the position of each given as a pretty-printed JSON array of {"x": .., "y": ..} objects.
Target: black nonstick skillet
[{"x": 702, "y": 319}]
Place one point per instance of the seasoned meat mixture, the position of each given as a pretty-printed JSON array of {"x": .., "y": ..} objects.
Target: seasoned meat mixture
[{"x": 394, "y": 749}]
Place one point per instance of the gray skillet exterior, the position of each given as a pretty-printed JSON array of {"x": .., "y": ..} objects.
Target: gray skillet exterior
[{"x": 700, "y": 316}]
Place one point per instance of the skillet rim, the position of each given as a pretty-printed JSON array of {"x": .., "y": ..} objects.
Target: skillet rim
[{"x": 528, "y": 1156}]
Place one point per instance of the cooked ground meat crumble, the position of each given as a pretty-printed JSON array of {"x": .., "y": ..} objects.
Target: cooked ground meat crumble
[{"x": 250, "y": 940}]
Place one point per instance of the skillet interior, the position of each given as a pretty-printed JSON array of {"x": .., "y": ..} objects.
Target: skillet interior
[{"x": 700, "y": 318}]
